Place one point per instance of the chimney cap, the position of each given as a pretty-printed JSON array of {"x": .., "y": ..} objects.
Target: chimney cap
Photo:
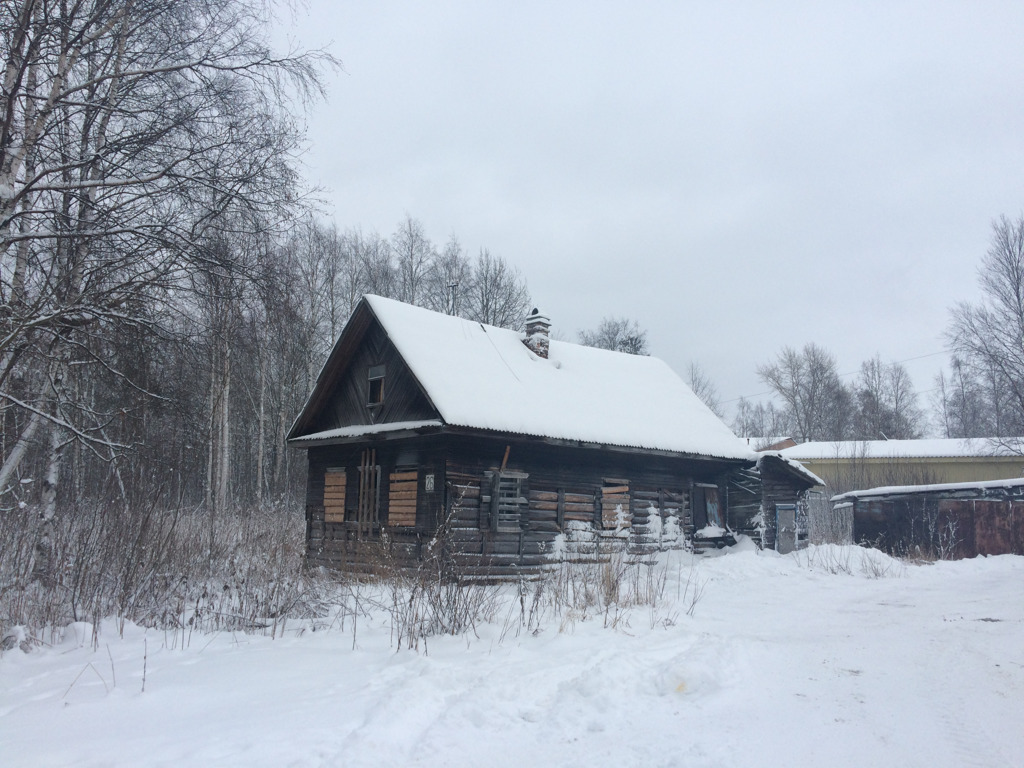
[{"x": 537, "y": 317}]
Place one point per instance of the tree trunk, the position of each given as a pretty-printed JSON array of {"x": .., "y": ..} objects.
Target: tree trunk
[
  {"x": 43, "y": 565},
  {"x": 18, "y": 452},
  {"x": 261, "y": 429},
  {"x": 225, "y": 434}
]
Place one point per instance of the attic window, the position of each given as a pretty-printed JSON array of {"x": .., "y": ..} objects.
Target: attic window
[{"x": 375, "y": 391}]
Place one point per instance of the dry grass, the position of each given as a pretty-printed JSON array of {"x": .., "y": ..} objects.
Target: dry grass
[
  {"x": 168, "y": 569},
  {"x": 181, "y": 572}
]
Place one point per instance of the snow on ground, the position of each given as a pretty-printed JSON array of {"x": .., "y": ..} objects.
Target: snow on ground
[{"x": 783, "y": 662}]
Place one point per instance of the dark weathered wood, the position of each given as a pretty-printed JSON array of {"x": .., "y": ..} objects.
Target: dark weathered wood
[
  {"x": 561, "y": 486},
  {"x": 537, "y": 495}
]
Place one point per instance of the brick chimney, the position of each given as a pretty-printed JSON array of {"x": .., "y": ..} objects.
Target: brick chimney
[{"x": 537, "y": 327}]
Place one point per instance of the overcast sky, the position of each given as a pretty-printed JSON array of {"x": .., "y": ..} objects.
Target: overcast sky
[{"x": 736, "y": 176}]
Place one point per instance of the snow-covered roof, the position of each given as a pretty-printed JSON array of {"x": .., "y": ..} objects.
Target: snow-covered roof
[
  {"x": 888, "y": 449},
  {"x": 793, "y": 464},
  {"x": 484, "y": 377},
  {"x": 899, "y": 490}
]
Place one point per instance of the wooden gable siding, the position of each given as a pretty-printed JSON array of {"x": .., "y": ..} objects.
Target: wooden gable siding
[{"x": 349, "y": 402}]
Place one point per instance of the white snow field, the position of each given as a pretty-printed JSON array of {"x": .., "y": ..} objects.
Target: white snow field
[{"x": 817, "y": 659}]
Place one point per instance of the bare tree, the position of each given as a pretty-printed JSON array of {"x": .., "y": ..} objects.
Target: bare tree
[
  {"x": 988, "y": 338},
  {"x": 497, "y": 294},
  {"x": 760, "y": 420},
  {"x": 414, "y": 254},
  {"x": 704, "y": 388},
  {"x": 379, "y": 274},
  {"x": 618, "y": 334},
  {"x": 817, "y": 403},
  {"x": 886, "y": 402},
  {"x": 450, "y": 276}
]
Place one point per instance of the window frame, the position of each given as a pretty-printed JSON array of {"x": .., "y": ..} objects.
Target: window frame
[{"x": 375, "y": 376}]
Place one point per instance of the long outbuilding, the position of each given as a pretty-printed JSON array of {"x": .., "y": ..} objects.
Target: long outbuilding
[
  {"x": 850, "y": 464},
  {"x": 947, "y": 520}
]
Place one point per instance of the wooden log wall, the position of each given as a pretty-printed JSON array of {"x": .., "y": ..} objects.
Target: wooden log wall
[
  {"x": 567, "y": 496},
  {"x": 567, "y": 502}
]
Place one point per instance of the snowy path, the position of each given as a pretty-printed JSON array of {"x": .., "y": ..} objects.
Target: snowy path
[{"x": 780, "y": 665}]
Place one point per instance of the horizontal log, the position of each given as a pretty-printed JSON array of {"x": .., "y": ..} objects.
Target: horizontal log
[
  {"x": 551, "y": 506},
  {"x": 584, "y": 517},
  {"x": 579, "y": 498},
  {"x": 580, "y": 508},
  {"x": 541, "y": 514},
  {"x": 615, "y": 489},
  {"x": 403, "y": 520},
  {"x": 545, "y": 527},
  {"x": 398, "y": 476},
  {"x": 402, "y": 495},
  {"x": 544, "y": 495}
]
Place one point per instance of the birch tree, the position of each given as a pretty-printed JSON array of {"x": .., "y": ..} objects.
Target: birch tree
[{"x": 127, "y": 130}]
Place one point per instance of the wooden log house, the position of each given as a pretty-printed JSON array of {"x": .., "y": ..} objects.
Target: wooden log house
[{"x": 520, "y": 446}]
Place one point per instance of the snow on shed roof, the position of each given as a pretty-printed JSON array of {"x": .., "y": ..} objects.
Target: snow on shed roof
[
  {"x": 484, "y": 377},
  {"x": 793, "y": 464},
  {"x": 901, "y": 490},
  {"x": 888, "y": 449}
]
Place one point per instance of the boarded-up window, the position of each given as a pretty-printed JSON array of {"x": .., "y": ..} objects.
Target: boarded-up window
[
  {"x": 507, "y": 501},
  {"x": 578, "y": 507},
  {"x": 334, "y": 495},
  {"x": 402, "y": 497},
  {"x": 615, "y": 512}
]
